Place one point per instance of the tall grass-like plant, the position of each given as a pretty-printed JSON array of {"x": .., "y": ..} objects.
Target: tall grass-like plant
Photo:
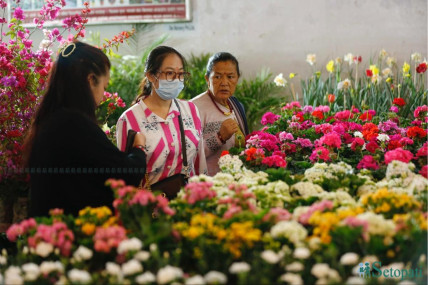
[
  {"x": 374, "y": 86},
  {"x": 258, "y": 96}
]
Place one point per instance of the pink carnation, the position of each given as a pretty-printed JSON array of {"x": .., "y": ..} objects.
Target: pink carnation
[
  {"x": 269, "y": 118},
  {"x": 283, "y": 136},
  {"x": 320, "y": 153},
  {"x": 277, "y": 214},
  {"x": 331, "y": 139},
  {"x": 368, "y": 162},
  {"x": 398, "y": 154},
  {"x": 274, "y": 160}
]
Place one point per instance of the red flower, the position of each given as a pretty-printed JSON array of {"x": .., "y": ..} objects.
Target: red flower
[
  {"x": 300, "y": 117},
  {"x": 366, "y": 116},
  {"x": 13, "y": 134},
  {"x": 318, "y": 114},
  {"x": 372, "y": 146},
  {"x": 224, "y": 152},
  {"x": 357, "y": 59},
  {"x": 416, "y": 131},
  {"x": 399, "y": 102},
  {"x": 369, "y": 72},
  {"x": 421, "y": 68},
  {"x": 424, "y": 171},
  {"x": 394, "y": 144},
  {"x": 331, "y": 98}
]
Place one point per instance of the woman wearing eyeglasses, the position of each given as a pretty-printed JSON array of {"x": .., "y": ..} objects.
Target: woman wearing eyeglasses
[
  {"x": 223, "y": 117},
  {"x": 155, "y": 114}
]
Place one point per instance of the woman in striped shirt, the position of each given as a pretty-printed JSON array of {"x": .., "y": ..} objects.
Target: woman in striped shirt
[{"x": 155, "y": 115}]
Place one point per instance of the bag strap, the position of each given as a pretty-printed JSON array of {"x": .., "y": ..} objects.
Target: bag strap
[{"x": 183, "y": 141}]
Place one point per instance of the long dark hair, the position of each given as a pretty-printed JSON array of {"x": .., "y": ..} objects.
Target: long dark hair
[
  {"x": 220, "y": 57},
  {"x": 153, "y": 63},
  {"x": 68, "y": 86}
]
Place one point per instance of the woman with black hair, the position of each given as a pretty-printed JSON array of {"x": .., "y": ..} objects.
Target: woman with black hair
[
  {"x": 223, "y": 117},
  {"x": 158, "y": 114},
  {"x": 68, "y": 156}
]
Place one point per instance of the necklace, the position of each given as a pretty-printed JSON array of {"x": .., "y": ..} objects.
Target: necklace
[{"x": 218, "y": 108}]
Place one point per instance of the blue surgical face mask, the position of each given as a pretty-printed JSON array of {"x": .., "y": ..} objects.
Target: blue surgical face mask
[{"x": 169, "y": 90}]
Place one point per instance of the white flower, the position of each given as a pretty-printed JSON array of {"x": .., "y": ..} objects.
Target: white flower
[
  {"x": 50, "y": 266},
  {"x": 391, "y": 61},
  {"x": 383, "y": 53},
  {"x": 291, "y": 230},
  {"x": 145, "y": 278},
  {"x": 195, "y": 280},
  {"x": 105, "y": 128},
  {"x": 168, "y": 274},
  {"x": 213, "y": 277},
  {"x": 311, "y": 58},
  {"x": 32, "y": 271},
  {"x": 280, "y": 80},
  {"x": 358, "y": 134},
  {"x": 79, "y": 276},
  {"x": 416, "y": 56},
  {"x": 349, "y": 58},
  {"x": 314, "y": 243},
  {"x": 407, "y": 282},
  {"x": 320, "y": 270},
  {"x": 153, "y": 247},
  {"x": 383, "y": 137},
  {"x": 355, "y": 281},
  {"x": 129, "y": 244},
  {"x": 44, "y": 44},
  {"x": 230, "y": 164},
  {"x": 376, "y": 78},
  {"x": 113, "y": 269},
  {"x": 43, "y": 249},
  {"x": 292, "y": 279},
  {"x": 307, "y": 189},
  {"x": 3, "y": 260},
  {"x": 378, "y": 225},
  {"x": 131, "y": 267},
  {"x": 345, "y": 84},
  {"x": 239, "y": 267},
  {"x": 295, "y": 267},
  {"x": 386, "y": 72},
  {"x": 349, "y": 258},
  {"x": 12, "y": 275},
  {"x": 301, "y": 253},
  {"x": 82, "y": 253},
  {"x": 142, "y": 255},
  {"x": 271, "y": 257}
]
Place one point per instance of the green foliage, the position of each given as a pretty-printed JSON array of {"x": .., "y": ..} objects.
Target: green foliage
[
  {"x": 258, "y": 96},
  {"x": 196, "y": 65},
  {"x": 366, "y": 92}
]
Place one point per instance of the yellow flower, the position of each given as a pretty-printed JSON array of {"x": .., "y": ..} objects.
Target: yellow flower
[
  {"x": 389, "y": 79},
  {"x": 374, "y": 69},
  {"x": 385, "y": 207},
  {"x": 318, "y": 73},
  {"x": 330, "y": 66},
  {"x": 110, "y": 222},
  {"x": 390, "y": 253},
  {"x": 221, "y": 234},
  {"x": 88, "y": 229},
  {"x": 193, "y": 232},
  {"x": 292, "y": 75},
  {"x": 197, "y": 252},
  {"x": 78, "y": 222},
  {"x": 406, "y": 68}
]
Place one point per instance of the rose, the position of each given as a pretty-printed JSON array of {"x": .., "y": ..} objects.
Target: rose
[{"x": 421, "y": 68}]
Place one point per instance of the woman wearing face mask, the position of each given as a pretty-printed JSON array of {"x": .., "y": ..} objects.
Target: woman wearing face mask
[{"x": 155, "y": 114}]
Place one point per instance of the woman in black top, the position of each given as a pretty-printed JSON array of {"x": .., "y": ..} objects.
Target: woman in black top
[{"x": 68, "y": 156}]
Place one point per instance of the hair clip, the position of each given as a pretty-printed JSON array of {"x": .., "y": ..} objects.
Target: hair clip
[{"x": 73, "y": 45}]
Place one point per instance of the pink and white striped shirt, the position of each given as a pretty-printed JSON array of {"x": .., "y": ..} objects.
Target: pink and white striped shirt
[{"x": 163, "y": 141}]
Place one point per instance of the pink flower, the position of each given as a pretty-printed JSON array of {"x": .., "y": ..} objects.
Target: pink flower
[
  {"x": 343, "y": 115},
  {"x": 198, "y": 191},
  {"x": 283, "y": 136},
  {"x": 107, "y": 238},
  {"x": 14, "y": 232},
  {"x": 423, "y": 151},
  {"x": 398, "y": 154},
  {"x": 274, "y": 161},
  {"x": 18, "y": 14},
  {"x": 424, "y": 171},
  {"x": 269, "y": 118},
  {"x": 354, "y": 222},
  {"x": 142, "y": 197},
  {"x": 303, "y": 142},
  {"x": 291, "y": 105},
  {"x": 420, "y": 111},
  {"x": 331, "y": 139},
  {"x": 394, "y": 109},
  {"x": 357, "y": 143},
  {"x": 277, "y": 214},
  {"x": 368, "y": 162},
  {"x": 320, "y": 153}
]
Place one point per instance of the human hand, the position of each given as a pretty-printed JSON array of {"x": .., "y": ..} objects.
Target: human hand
[
  {"x": 228, "y": 128},
  {"x": 139, "y": 140}
]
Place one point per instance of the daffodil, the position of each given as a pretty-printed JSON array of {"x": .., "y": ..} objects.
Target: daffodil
[
  {"x": 311, "y": 58},
  {"x": 280, "y": 80},
  {"x": 406, "y": 68},
  {"x": 292, "y": 75},
  {"x": 330, "y": 66}
]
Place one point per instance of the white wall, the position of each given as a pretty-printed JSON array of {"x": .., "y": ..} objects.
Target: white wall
[{"x": 279, "y": 33}]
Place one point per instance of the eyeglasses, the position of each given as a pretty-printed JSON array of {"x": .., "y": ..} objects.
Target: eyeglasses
[{"x": 171, "y": 75}]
